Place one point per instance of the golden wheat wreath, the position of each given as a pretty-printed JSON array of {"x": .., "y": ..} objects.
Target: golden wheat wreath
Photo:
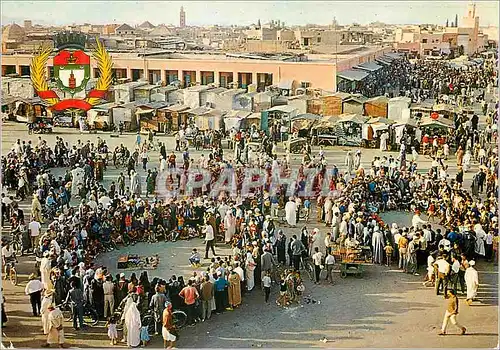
[
  {"x": 37, "y": 72},
  {"x": 38, "y": 77}
]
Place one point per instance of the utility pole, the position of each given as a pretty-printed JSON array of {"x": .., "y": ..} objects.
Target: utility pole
[{"x": 336, "y": 42}]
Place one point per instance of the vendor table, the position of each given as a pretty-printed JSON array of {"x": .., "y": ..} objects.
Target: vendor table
[{"x": 327, "y": 139}]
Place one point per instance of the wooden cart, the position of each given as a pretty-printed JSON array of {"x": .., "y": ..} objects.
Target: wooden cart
[
  {"x": 350, "y": 261},
  {"x": 351, "y": 268}
]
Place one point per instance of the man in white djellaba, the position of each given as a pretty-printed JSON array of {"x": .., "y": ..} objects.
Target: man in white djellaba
[
  {"x": 291, "y": 212},
  {"x": 133, "y": 322},
  {"x": 78, "y": 175},
  {"x": 471, "y": 281}
]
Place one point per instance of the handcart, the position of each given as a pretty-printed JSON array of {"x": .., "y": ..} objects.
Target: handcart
[
  {"x": 350, "y": 260},
  {"x": 351, "y": 268}
]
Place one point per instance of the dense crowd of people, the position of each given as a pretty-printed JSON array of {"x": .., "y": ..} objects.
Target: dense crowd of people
[
  {"x": 461, "y": 226},
  {"x": 423, "y": 79}
]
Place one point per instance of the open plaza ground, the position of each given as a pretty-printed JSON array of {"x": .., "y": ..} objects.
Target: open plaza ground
[{"x": 384, "y": 309}]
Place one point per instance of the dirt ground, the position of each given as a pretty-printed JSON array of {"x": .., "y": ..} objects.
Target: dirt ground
[{"x": 385, "y": 308}]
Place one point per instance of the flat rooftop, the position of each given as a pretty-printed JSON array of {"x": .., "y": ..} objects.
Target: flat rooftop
[{"x": 242, "y": 57}]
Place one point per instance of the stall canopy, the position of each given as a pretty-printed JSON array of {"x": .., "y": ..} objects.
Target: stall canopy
[
  {"x": 284, "y": 109},
  {"x": 440, "y": 123},
  {"x": 304, "y": 121},
  {"x": 326, "y": 122},
  {"x": 384, "y": 61},
  {"x": 249, "y": 120},
  {"x": 7, "y": 99},
  {"x": 421, "y": 107},
  {"x": 368, "y": 66},
  {"x": 378, "y": 124},
  {"x": 353, "y": 75},
  {"x": 442, "y": 107},
  {"x": 381, "y": 120},
  {"x": 237, "y": 114},
  {"x": 306, "y": 116},
  {"x": 176, "y": 108},
  {"x": 353, "y": 118},
  {"x": 409, "y": 122}
]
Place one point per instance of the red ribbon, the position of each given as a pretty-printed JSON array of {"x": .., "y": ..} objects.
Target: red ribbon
[
  {"x": 72, "y": 103},
  {"x": 47, "y": 94},
  {"x": 97, "y": 93}
]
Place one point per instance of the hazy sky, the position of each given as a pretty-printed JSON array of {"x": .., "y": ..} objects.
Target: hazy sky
[{"x": 244, "y": 12}]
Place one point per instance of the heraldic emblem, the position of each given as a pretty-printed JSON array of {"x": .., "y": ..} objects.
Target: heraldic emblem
[{"x": 72, "y": 72}]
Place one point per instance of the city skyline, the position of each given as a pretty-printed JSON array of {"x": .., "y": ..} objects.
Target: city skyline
[{"x": 243, "y": 13}]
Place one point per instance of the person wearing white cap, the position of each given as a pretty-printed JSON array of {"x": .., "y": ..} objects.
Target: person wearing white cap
[{"x": 472, "y": 282}]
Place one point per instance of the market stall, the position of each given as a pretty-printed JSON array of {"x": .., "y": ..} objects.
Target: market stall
[
  {"x": 209, "y": 120},
  {"x": 349, "y": 128},
  {"x": 98, "y": 118},
  {"x": 302, "y": 123},
  {"x": 333, "y": 104},
  {"x": 27, "y": 110},
  {"x": 420, "y": 110},
  {"x": 396, "y": 106},
  {"x": 64, "y": 119},
  {"x": 443, "y": 110},
  {"x": 252, "y": 119},
  {"x": 372, "y": 130},
  {"x": 234, "y": 119},
  {"x": 440, "y": 128},
  {"x": 353, "y": 104},
  {"x": 175, "y": 115},
  {"x": 351, "y": 259},
  {"x": 405, "y": 128},
  {"x": 323, "y": 131},
  {"x": 277, "y": 115}
]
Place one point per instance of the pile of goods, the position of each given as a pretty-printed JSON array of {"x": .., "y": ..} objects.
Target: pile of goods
[{"x": 134, "y": 262}]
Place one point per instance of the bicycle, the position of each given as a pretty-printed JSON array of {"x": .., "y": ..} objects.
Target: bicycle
[
  {"x": 17, "y": 244},
  {"x": 10, "y": 272},
  {"x": 179, "y": 319},
  {"x": 90, "y": 316},
  {"x": 308, "y": 266}
]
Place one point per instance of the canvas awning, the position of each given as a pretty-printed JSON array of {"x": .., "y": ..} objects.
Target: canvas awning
[
  {"x": 368, "y": 66},
  {"x": 283, "y": 108},
  {"x": 352, "y": 75},
  {"x": 176, "y": 108},
  {"x": 306, "y": 116},
  {"x": 326, "y": 122},
  {"x": 253, "y": 116},
  {"x": 409, "y": 122},
  {"x": 380, "y": 120},
  {"x": 443, "y": 107},
  {"x": 441, "y": 122},
  {"x": 200, "y": 110},
  {"x": 144, "y": 111},
  {"x": 237, "y": 114},
  {"x": 353, "y": 118},
  {"x": 382, "y": 61},
  {"x": 379, "y": 126}
]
